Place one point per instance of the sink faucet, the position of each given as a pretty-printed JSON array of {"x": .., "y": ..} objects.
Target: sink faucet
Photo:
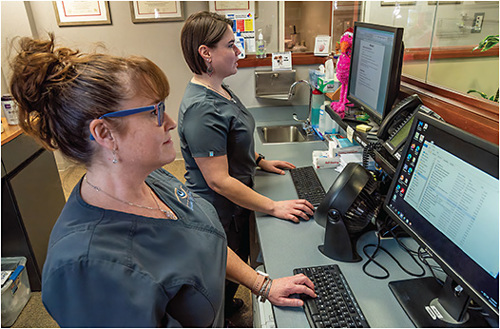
[{"x": 307, "y": 122}]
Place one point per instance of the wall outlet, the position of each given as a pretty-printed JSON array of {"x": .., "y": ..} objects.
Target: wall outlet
[{"x": 477, "y": 23}]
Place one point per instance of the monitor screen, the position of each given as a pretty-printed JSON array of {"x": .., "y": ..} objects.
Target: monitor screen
[
  {"x": 445, "y": 194},
  {"x": 375, "y": 71}
]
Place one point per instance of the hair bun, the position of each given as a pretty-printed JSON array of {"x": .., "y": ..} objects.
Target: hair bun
[
  {"x": 39, "y": 75},
  {"x": 42, "y": 68}
]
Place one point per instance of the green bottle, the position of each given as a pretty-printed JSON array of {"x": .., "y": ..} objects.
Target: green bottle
[{"x": 260, "y": 46}]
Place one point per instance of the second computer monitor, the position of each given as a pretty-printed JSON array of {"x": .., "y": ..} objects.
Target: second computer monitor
[
  {"x": 445, "y": 195},
  {"x": 375, "y": 71}
]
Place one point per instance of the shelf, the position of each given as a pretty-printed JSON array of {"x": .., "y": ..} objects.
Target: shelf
[{"x": 386, "y": 161}]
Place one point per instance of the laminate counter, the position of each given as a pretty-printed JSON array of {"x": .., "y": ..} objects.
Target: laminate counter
[{"x": 285, "y": 245}]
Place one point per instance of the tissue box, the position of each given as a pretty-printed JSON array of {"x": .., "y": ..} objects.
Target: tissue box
[
  {"x": 351, "y": 157},
  {"x": 321, "y": 159},
  {"x": 356, "y": 158},
  {"x": 327, "y": 86},
  {"x": 338, "y": 144},
  {"x": 314, "y": 76}
]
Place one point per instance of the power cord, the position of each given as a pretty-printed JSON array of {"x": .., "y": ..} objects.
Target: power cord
[
  {"x": 423, "y": 255},
  {"x": 369, "y": 150},
  {"x": 371, "y": 258}
]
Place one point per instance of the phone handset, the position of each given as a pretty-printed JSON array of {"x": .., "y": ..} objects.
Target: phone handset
[{"x": 398, "y": 115}]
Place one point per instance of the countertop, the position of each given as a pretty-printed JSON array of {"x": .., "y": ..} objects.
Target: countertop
[
  {"x": 286, "y": 245},
  {"x": 10, "y": 132}
]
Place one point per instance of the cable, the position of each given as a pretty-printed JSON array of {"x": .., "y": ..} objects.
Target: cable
[
  {"x": 387, "y": 274},
  {"x": 423, "y": 255},
  {"x": 369, "y": 150}
]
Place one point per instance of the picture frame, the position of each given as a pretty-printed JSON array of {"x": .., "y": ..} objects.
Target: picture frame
[
  {"x": 230, "y": 6},
  {"x": 82, "y": 13},
  {"x": 281, "y": 61},
  {"x": 433, "y": 3},
  {"x": 156, "y": 11},
  {"x": 225, "y": 7},
  {"x": 401, "y": 3},
  {"x": 322, "y": 45}
]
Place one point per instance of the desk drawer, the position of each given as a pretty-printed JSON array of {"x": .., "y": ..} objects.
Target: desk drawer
[{"x": 18, "y": 150}]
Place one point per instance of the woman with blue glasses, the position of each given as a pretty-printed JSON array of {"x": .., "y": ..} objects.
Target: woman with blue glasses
[{"x": 133, "y": 247}]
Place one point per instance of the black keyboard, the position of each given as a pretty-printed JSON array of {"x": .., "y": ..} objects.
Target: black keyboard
[
  {"x": 335, "y": 306},
  {"x": 307, "y": 185}
]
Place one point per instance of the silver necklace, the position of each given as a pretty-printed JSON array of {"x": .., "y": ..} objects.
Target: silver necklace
[
  {"x": 168, "y": 213},
  {"x": 215, "y": 90}
]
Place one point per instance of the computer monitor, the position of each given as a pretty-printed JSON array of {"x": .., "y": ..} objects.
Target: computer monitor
[
  {"x": 375, "y": 71},
  {"x": 444, "y": 194}
]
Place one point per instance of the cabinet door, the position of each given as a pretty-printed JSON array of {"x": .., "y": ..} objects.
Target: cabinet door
[
  {"x": 38, "y": 192},
  {"x": 14, "y": 239}
]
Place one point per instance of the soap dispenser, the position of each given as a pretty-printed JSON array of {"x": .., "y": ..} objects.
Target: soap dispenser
[{"x": 261, "y": 46}]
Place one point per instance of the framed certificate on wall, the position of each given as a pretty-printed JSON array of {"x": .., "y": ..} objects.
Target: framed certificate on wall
[
  {"x": 78, "y": 13},
  {"x": 156, "y": 11}
]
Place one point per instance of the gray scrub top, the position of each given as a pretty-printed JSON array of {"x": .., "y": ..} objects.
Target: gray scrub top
[
  {"x": 106, "y": 268},
  {"x": 211, "y": 125}
]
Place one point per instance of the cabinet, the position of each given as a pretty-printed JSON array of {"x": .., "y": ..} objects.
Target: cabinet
[{"x": 32, "y": 199}]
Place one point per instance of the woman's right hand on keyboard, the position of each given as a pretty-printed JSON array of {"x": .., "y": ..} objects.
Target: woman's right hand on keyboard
[
  {"x": 282, "y": 288},
  {"x": 292, "y": 210}
]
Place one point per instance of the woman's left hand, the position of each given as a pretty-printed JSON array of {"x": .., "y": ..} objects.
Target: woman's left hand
[
  {"x": 275, "y": 166},
  {"x": 282, "y": 288}
]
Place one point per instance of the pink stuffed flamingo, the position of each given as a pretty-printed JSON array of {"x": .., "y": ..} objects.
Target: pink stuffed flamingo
[{"x": 343, "y": 70}]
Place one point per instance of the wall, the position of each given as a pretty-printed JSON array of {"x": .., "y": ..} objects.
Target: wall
[
  {"x": 14, "y": 21},
  {"x": 158, "y": 41}
]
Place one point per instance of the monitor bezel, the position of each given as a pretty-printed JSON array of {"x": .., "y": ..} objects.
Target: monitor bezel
[
  {"x": 393, "y": 85},
  {"x": 468, "y": 138}
]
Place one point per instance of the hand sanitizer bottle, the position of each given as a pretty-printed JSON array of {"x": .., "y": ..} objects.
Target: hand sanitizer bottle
[
  {"x": 260, "y": 46},
  {"x": 240, "y": 43}
]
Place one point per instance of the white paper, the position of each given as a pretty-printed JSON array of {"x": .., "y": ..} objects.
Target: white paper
[{"x": 282, "y": 61}]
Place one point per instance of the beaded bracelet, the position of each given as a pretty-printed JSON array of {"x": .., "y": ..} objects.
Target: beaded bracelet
[
  {"x": 259, "y": 281},
  {"x": 264, "y": 286},
  {"x": 268, "y": 290},
  {"x": 265, "y": 294}
]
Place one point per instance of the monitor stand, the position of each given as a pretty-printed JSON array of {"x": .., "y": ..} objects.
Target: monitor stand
[{"x": 420, "y": 298}]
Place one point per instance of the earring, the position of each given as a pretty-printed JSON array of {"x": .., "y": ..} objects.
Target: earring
[
  {"x": 115, "y": 160},
  {"x": 210, "y": 69}
]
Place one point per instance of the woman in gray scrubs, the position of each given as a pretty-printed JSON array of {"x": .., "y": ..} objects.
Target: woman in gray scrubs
[
  {"x": 133, "y": 247},
  {"x": 216, "y": 134}
]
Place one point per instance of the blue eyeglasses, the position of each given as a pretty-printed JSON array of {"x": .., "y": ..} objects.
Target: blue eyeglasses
[{"x": 160, "y": 113}]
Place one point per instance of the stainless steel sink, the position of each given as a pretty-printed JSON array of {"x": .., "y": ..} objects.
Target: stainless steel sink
[{"x": 285, "y": 134}]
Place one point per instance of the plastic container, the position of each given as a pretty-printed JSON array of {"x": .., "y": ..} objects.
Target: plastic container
[
  {"x": 314, "y": 75},
  {"x": 240, "y": 43},
  {"x": 326, "y": 123},
  {"x": 9, "y": 107},
  {"x": 16, "y": 290},
  {"x": 260, "y": 45},
  {"x": 330, "y": 123},
  {"x": 317, "y": 100}
]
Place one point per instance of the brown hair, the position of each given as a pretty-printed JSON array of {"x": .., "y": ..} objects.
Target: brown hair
[
  {"x": 201, "y": 28},
  {"x": 59, "y": 91}
]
